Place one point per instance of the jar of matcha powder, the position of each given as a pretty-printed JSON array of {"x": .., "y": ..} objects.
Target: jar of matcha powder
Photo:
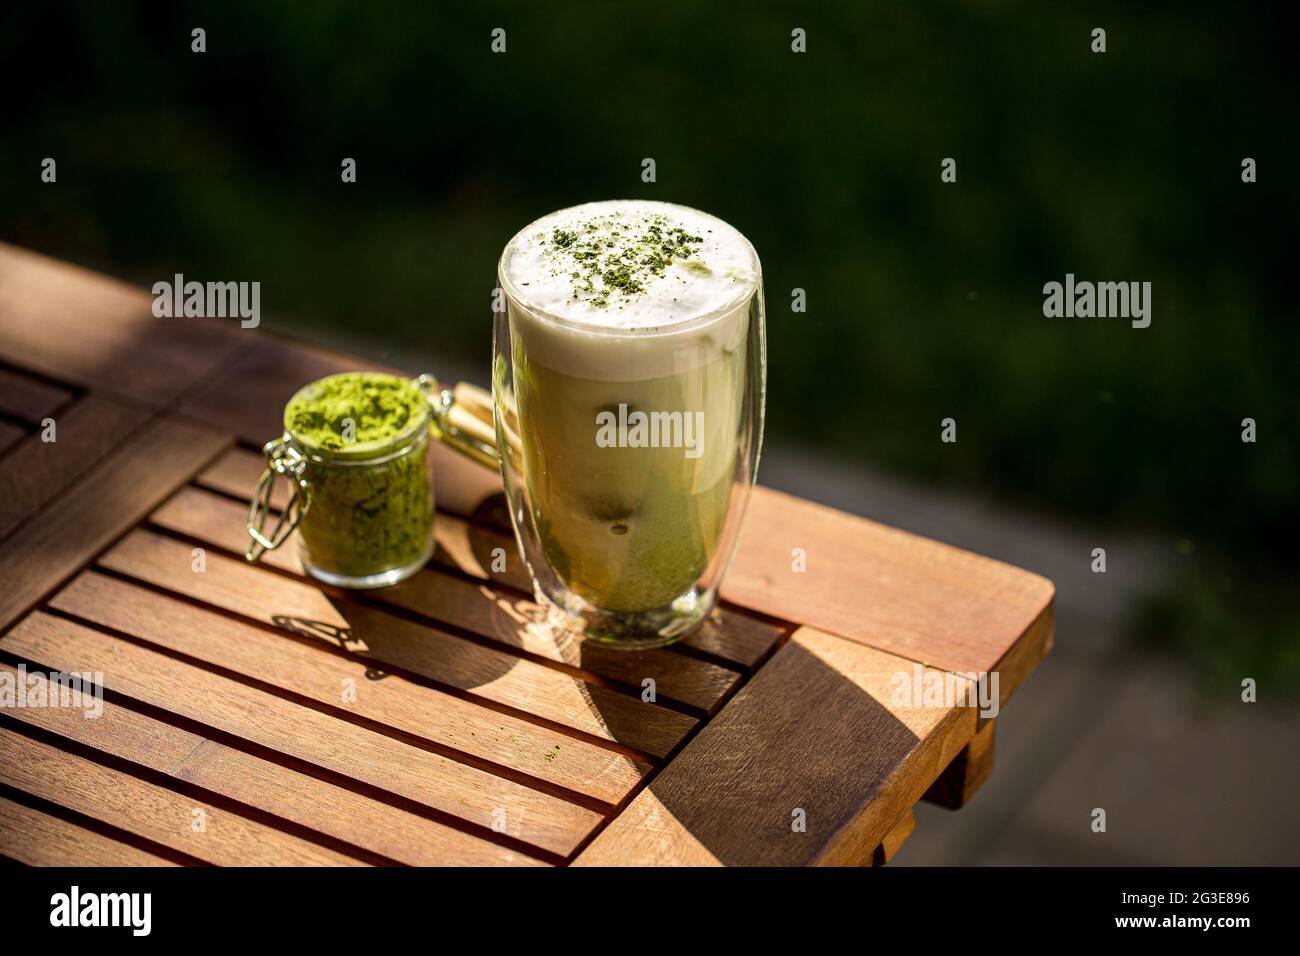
[{"x": 355, "y": 450}]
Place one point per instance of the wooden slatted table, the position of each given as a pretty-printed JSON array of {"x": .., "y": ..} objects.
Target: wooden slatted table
[{"x": 251, "y": 715}]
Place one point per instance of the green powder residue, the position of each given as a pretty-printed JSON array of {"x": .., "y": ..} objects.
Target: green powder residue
[{"x": 369, "y": 473}]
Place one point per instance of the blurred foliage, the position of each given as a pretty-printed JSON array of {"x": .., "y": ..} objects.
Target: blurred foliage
[
  {"x": 1228, "y": 629},
  {"x": 924, "y": 299}
]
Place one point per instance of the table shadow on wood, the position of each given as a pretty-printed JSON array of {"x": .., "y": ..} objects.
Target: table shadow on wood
[{"x": 726, "y": 800}]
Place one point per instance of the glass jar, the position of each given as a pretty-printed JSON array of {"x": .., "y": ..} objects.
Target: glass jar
[{"x": 361, "y": 480}]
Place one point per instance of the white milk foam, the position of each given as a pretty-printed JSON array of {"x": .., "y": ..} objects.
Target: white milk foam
[{"x": 670, "y": 266}]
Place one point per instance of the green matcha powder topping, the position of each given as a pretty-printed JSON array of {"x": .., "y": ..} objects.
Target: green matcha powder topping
[{"x": 613, "y": 256}]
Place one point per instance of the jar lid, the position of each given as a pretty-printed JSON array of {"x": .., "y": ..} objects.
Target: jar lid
[{"x": 356, "y": 416}]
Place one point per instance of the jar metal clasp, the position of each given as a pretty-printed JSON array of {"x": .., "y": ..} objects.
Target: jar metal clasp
[{"x": 283, "y": 459}]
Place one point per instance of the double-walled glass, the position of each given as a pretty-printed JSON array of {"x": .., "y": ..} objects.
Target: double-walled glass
[{"x": 628, "y": 456}]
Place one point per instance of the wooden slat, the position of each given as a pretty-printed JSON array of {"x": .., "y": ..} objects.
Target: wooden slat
[
  {"x": 894, "y": 839},
  {"x": 79, "y": 327},
  {"x": 518, "y": 622},
  {"x": 236, "y": 473},
  {"x": 249, "y": 399},
  {"x": 734, "y": 637},
  {"x": 28, "y": 398},
  {"x": 35, "y": 838},
  {"x": 816, "y": 730},
  {"x": 321, "y": 674},
  {"x": 151, "y": 811},
  {"x": 731, "y": 637},
  {"x": 501, "y": 616},
  {"x": 298, "y": 607},
  {"x": 10, "y": 435},
  {"x": 300, "y": 732},
  {"x": 468, "y": 547},
  {"x": 281, "y": 791},
  {"x": 97, "y": 508},
  {"x": 1015, "y": 666},
  {"x": 474, "y": 550},
  {"x": 889, "y": 589},
  {"x": 35, "y": 472},
  {"x": 967, "y": 772}
]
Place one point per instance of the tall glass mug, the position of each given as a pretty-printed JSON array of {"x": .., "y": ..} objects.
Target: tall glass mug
[{"x": 629, "y": 374}]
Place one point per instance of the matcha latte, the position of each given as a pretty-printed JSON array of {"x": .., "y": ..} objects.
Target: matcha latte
[{"x": 629, "y": 376}]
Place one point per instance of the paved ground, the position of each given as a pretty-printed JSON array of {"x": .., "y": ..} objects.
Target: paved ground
[{"x": 1182, "y": 780}]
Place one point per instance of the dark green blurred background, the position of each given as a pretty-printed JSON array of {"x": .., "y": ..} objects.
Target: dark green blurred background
[{"x": 924, "y": 299}]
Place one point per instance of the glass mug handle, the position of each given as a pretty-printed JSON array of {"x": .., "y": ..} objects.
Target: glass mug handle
[{"x": 462, "y": 419}]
